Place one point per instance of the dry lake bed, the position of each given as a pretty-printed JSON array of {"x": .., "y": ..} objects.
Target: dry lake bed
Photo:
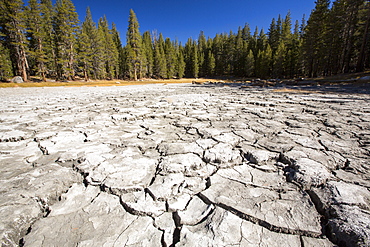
[{"x": 184, "y": 165}]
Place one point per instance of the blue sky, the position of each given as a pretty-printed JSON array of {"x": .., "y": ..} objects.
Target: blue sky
[{"x": 180, "y": 19}]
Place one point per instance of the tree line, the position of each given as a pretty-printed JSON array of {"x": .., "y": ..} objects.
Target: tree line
[{"x": 49, "y": 41}]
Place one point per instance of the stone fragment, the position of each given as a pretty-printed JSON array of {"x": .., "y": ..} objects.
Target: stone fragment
[
  {"x": 314, "y": 242},
  {"x": 223, "y": 228},
  {"x": 195, "y": 212},
  {"x": 122, "y": 175},
  {"x": 206, "y": 143},
  {"x": 223, "y": 155},
  {"x": 28, "y": 196},
  {"x": 102, "y": 222},
  {"x": 174, "y": 185},
  {"x": 309, "y": 173},
  {"x": 141, "y": 203},
  {"x": 189, "y": 164},
  {"x": 265, "y": 206},
  {"x": 179, "y": 148},
  {"x": 178, "y": 203},
  {"x": 166, "y": 223},
  {"x": 17, "y": 79}
]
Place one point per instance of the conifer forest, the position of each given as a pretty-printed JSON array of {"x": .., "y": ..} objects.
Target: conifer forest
[{"x": 39, "y": 38}]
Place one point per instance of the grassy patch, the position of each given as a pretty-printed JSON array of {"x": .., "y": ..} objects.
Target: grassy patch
[{"x": 97, "y": 83}]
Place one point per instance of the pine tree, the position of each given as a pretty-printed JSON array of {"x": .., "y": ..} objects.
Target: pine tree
[
  {"x": 180, "y": 65},
  {"x": 170, "y": 55},
  {"x": 65, "y": 28},
  {"x": 149, "y": 54},
  {"x": 274, "y": 36},
  {"x": 210, "y": 59},
  {"x": 134, "y": 45},
  {"x": 202, "y": 49},
  {"x": 12, "y": 24},
  {"x": 263, "y": 63},
  {"x": 47, "y": 14},
  {"x": 37, "y": 37},
  {"x": 89, "y": 48},
  {"x": 315, "y": 32},
  {"x": 160, "y": 66},
  {"x": 249, "y": 64},
  {"x": 364, "y": 37},
  {"x": 240, "y": 50},
  {"x": 246, "y": 32},
  {"x": 5, "y": 63},
  {"x": 191, "y": 59},
  {"x": 279, "y": 60},
  {"x": 118, "y": 44},
  {"x": 110, "y": 52}
]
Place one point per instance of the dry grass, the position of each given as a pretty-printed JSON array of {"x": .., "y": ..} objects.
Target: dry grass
[{"x": 97, "y": 83}]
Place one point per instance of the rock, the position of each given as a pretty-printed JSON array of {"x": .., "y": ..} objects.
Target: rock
[
  {"x": 313, "y": 242},
  {"x": 88, "y": 225},
  {"x": 17, "y": 79},
  {"x": 309, "y": 173},
  {"x": 223, "y": 155},
  {"x": 189, "y": 164},
  {"x": 223, "y": 228},
  {"x": 264, "y": 206},
  {"x": 195, "y": 212},
  {"x": 141, "y": 203}
]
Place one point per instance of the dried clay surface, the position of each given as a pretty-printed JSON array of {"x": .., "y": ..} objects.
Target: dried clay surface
[{"x": 184, "y": 165}]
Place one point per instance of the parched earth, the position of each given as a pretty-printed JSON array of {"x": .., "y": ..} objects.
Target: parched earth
[{"x": 184, "y": 165}]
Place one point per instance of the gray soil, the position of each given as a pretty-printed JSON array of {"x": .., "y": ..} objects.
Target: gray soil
[{"x": 184, "y": 165}]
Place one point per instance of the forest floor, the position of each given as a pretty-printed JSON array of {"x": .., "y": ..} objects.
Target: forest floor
[{"x": 36, "y": 82}]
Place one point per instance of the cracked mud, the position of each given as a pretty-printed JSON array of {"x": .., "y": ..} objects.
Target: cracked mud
[{"x": 183, "y": 165}]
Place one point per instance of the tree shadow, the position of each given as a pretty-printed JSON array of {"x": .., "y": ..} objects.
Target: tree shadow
[{"x": 338, "y": 88}]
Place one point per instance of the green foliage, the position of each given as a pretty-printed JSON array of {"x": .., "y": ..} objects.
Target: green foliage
[
  {"x": 65, "y": 24},
  {"x": 13, "y": 27},
  {"x": 148, "y": 54},
  {"x": 48, "y": 40},
  {"x": 160, "y": 67},
  {"x": 5, "y": 63},
  {"x": 135, "y": 57}
]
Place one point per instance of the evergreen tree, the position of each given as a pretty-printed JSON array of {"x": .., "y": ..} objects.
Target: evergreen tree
[
  {"x": 274, "y": 36},
  {"x": 191, "y": 59},
  {"x": 160, "y": 66},
  {"x": 315, "y": 33},
  {"x": 134, "y": 47},
  {"x": 5, "y": 63},
  {"x": 364, "y": 37},
  {"x": 37, "y": 37},
  {"x": 263, "y": 63},
  {"x": 210, "y": 59},
  {"x": 110, "y": 52},
  {"x": 118, "y": 44},
  {"x": 246, "y": 32},
  {"x": 170, "y": 55},
  {"x": 180, "y": 65},
  {"x": 47, "y": 14},
  {"x": 65, "y": 27},
  {"x": 149, "y": 54},
  {"x": 202, "y": 49},
  {"x": 279, "y": 61},
  {"x": 12, "y": 24},
  {"x": 89, "y": 48},
  {"x": 249, "y": 64}
]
